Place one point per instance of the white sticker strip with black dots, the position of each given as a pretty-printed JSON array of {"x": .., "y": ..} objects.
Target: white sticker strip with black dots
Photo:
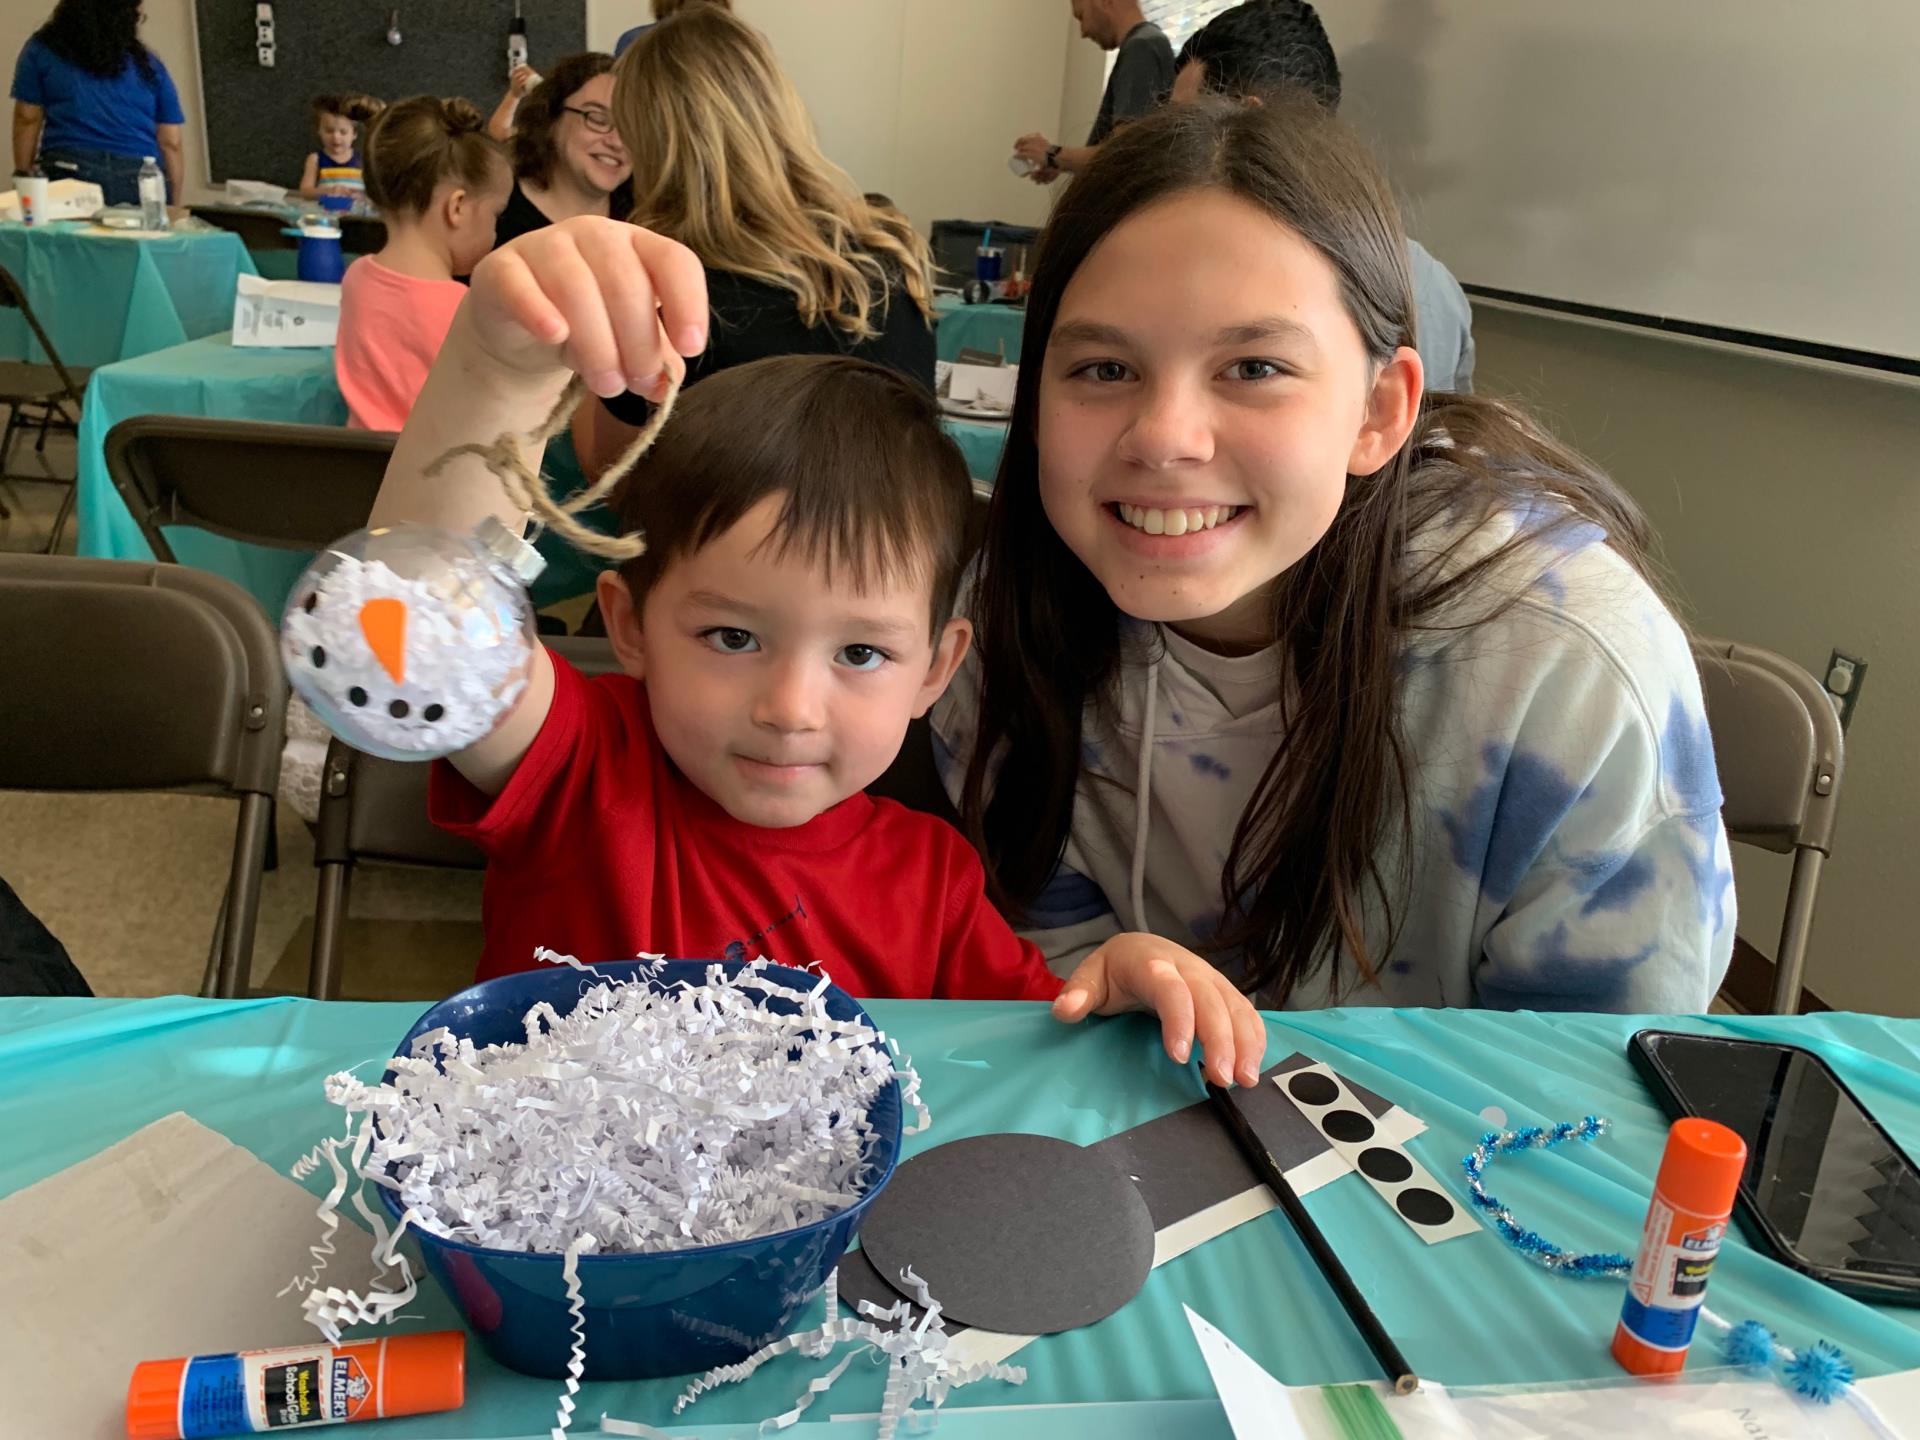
[{"x": 1396, "y": 1176}]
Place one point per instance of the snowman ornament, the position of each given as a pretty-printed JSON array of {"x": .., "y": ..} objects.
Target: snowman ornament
[{"x": 410, "y": 642}]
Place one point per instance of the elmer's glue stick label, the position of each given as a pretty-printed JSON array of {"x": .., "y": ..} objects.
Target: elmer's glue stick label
[
  {"x": 254, "y": 1392},
  {"x": 1692, "y": 1203}
]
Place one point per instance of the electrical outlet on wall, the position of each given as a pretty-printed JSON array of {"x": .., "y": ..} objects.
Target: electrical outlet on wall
[{"x": 1844, "y": 677}]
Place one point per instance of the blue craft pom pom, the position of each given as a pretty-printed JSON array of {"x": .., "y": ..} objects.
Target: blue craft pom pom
[
  {"x": 1750, "y": 1344},
  {"x": 1820, "y": 1372}
]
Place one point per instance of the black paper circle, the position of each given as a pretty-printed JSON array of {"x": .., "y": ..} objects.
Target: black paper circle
[
  {"x": 1390, "y": 1167},
  {"x": 1313, "y": 1089},
  {"x": 1424, "y": 1206},
  {"x": 1349, "y": 1127},
  {"x": 1019, "y": 1233}
]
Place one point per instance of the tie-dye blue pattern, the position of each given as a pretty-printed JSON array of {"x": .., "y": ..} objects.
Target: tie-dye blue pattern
[{"x": 1567, "y": 853}]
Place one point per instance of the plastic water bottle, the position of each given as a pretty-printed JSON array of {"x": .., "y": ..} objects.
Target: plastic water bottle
[{"x": 153, "y": 196}]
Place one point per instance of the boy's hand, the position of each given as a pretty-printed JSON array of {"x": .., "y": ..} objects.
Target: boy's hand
[
  {"x": 614, "y": 303},
  {"x": 1137, "y": 971}
]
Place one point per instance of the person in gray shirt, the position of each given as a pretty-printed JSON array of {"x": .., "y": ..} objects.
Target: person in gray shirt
[
  {"x": 1141, "y": 76},
  {"x": 1269, "y": 43}
]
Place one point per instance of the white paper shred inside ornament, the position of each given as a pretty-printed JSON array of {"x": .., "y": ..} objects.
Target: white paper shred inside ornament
[
  {"x": 464, "y": 656},
  {"x": 642, "y": 1120}
]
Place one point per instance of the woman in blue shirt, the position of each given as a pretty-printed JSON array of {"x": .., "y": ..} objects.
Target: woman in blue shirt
[{"x": 91, "y": 101}]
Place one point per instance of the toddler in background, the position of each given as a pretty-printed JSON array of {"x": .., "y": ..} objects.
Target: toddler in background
[
  {"x": 440, "y": 183},
  {"x": 333, "y": 173}
]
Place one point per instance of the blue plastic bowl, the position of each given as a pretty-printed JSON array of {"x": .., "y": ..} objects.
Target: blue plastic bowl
[{"x": 659, "y": 1313}]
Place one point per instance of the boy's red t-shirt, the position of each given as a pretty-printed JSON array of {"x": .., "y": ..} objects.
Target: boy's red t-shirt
[{"x": 600, "y": 848}]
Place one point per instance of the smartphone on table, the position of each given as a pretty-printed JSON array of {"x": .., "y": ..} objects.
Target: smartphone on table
[{"x": 1826, "y": 1189}]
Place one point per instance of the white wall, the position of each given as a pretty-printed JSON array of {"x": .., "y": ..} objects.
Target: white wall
[
  {"x": 1784, "y": 500},
  {"x": 923, "y": 99}
]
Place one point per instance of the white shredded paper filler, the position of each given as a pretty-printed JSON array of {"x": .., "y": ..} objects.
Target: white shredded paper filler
[
  {"x": 464, "y": 654},
  {"x": 642, "y": 1120},
  {"x": 915, "y": 1353}
]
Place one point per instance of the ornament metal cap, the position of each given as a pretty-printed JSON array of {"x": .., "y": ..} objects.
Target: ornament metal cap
[{"x": 521, "y": 560}]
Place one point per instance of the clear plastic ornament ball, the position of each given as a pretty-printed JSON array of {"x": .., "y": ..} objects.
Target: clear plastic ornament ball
[{"x": 410, "y": 642}]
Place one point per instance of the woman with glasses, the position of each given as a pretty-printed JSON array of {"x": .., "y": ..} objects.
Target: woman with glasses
[
  {"x": 567, "y": 155},
  {"x": 797, "y": 262}
]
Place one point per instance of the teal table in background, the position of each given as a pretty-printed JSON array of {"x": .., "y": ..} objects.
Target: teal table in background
[
  {"x": 103, "y": 297},
  {"x": 981, "y": 441},
  {"x": 79, "y": 1075},
  {"x": 977, "y": 327},
  {"x": 214, "y": 378}
]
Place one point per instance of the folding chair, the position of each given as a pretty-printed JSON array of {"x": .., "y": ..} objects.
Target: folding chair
[
  {"x": 296, "y": 487},
  {"x": 1780, "y": 752},
  {"x": 123, "y": 675},
  {"x": 50, "y": 393},
  {"x": 374, "y": 809}
]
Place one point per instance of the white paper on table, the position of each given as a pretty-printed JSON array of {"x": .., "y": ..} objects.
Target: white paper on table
[
  {"x": 1257, "y": 1405},
  {"x": 1723, "y": 1404},
  {"x": 255, "y": 192},
  {"x": 172, "y": 1242},
  {"x": 285, "y": 313},
  {"x": 987, "y": 387}
]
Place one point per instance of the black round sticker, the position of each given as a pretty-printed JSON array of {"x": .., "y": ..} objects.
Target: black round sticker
[
  {"x": 1349, "y": 1127},
  {"x": 1313, "y": 1089},
  {"x": 1389, "y": 1167},
  {"x": 1423, "y": 1206}
]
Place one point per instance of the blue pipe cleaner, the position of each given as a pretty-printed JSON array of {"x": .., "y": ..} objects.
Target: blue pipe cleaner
[
  {"x": 1820, "y": 1372},
  {"x": 1530, "y": 1243}
]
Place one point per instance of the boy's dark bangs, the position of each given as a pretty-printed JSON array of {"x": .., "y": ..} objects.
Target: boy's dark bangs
[{"x": 874, "y": 493}]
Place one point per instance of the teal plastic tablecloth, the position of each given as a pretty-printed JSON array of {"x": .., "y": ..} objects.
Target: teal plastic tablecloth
[
  {"x": 103, "y": 297},
  {"x": 981, "y": 441},
  {"x": 978, "y": 327},
  {"x": 210, "y": 378},
  {"x": 78, "y": 1075}
]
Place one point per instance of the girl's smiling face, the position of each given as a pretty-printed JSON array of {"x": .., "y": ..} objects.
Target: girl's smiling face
[{"x": 1204, "y": 397}]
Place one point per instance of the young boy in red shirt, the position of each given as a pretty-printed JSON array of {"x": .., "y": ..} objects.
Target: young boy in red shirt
[{"x": 804, "y": 518}]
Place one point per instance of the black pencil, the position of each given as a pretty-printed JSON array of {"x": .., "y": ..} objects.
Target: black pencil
[{"x": 1361, "y": 1313}]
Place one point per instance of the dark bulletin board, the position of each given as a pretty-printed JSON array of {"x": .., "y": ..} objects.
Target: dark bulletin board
[{"x": 259, "y": 124}]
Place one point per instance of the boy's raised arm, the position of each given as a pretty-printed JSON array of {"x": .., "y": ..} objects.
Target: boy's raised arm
[{"x": 599, "y": 297}]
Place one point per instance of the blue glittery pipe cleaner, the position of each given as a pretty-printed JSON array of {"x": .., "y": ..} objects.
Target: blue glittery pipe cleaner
[{"x": 1820, "y": 1371}]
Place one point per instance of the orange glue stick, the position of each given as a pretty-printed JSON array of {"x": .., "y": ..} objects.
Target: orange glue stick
[
  {"x": 1692, "y": 1202},
  {"x": 258, "y": 1390}
]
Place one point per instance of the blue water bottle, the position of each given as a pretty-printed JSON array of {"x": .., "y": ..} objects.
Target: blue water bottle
[{"x": 320, "y": 256}]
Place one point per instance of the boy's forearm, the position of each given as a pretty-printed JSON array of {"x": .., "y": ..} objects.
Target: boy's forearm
[{"x": 469, "y": 398}]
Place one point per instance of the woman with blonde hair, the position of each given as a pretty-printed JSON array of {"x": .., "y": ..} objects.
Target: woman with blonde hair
[{"x": 725, "y": 161}]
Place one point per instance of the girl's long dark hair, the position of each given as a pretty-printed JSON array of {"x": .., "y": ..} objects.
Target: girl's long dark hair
[
  {"x": 1328, "y": 827},
  {"x": 99, "y": 36}
]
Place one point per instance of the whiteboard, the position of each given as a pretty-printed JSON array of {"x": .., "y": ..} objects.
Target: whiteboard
[{"x": 1752, "y": 165}]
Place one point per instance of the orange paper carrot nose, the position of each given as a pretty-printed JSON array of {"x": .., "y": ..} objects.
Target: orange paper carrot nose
[{"x": 384, "y": 623}]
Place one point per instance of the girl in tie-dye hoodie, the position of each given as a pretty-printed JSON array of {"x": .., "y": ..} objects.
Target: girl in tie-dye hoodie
[{"x": 1367, "y": 697}]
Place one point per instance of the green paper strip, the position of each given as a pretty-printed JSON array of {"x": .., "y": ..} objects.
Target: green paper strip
[{"x": 1359, "y": 1414}]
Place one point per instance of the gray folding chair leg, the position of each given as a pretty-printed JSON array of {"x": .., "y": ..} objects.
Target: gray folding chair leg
[
  {"x": 1790, "y": 963},
  {"x": 210, "y": 975},
  {"x": 60, "y": 519},
  {"x": 243, "y": 897},
  {"x": 329, "y": 925}
]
